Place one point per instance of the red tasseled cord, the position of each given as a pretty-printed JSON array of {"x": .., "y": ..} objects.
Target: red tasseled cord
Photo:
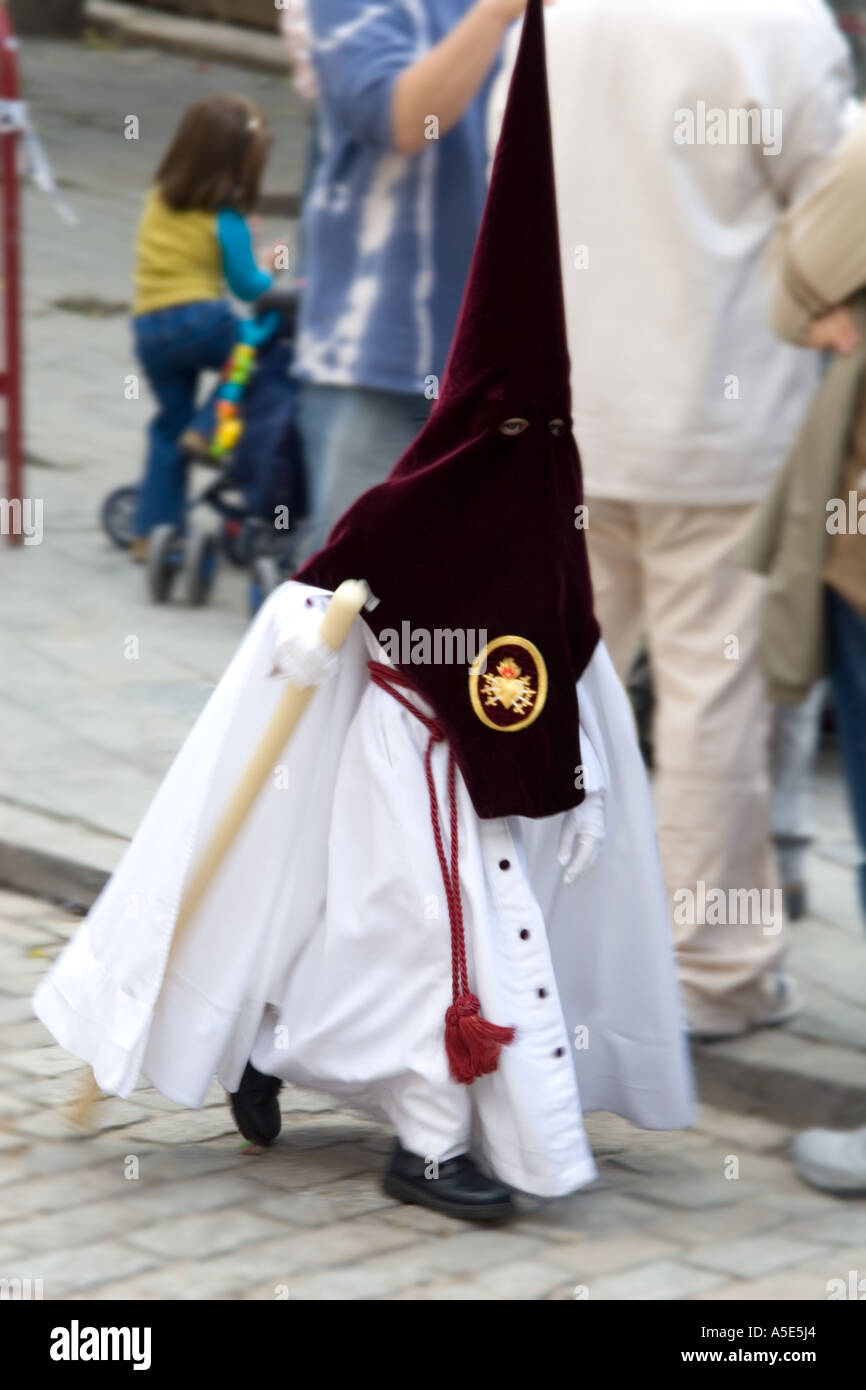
[{"x": 471, "y": 1043}]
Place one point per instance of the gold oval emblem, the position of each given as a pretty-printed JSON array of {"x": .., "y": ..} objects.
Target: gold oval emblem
[{"x": 508, "y": 684}]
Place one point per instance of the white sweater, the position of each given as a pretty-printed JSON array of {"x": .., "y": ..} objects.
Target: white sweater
[{"x": 680, "y": 392}]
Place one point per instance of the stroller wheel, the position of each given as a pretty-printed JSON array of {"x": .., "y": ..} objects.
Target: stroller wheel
[
  {"x": 164, "y": 559},
  {"x": 200, "y": 566},
  {"x": 117, "y": 512},
  {"x": 264, "y": 578}
]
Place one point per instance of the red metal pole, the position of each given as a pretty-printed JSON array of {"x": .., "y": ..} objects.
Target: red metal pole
[{"x": 11, "y": 262}]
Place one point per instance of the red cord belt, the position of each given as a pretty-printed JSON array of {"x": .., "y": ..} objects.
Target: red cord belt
[{"x": 471, "y": 1042}]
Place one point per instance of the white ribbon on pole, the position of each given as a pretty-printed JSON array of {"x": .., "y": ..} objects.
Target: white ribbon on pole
[{"x": 37, "y": 167}]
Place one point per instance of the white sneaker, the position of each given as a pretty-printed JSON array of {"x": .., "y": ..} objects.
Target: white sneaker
[
  {"x": 769, "y": 1001},
  {"x": 831, "y": 1159}
]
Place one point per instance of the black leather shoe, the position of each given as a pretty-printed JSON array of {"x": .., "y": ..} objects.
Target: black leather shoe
[
  {"x": 255, "y": 1106},
  {"x": 460, "y": 1190}
]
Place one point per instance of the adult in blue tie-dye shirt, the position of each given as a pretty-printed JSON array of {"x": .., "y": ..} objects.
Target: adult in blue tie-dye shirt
[{"x": 389, "y": 224}]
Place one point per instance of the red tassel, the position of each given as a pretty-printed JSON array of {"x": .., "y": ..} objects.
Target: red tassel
[{"x": 472, "y": 1044}]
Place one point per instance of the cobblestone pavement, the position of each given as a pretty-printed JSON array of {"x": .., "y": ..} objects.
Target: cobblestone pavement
[{"x": 161, "y": 1203}]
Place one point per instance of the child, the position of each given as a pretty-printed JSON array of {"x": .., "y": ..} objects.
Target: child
[
  {"x": 392, "y": 923},
  {"x": 192, "y": 240}
]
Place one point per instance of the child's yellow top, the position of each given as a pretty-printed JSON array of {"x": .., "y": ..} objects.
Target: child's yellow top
[{"x": 177, "y": 257}]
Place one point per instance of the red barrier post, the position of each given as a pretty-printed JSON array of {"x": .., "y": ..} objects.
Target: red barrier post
[{"x": 10, "y": 378}]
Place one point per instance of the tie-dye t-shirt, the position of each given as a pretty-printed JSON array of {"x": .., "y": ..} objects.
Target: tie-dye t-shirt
[{"x": 387, "y": 238}]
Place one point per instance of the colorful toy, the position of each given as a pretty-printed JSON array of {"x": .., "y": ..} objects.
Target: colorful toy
[{"x": 235, "y": 378}]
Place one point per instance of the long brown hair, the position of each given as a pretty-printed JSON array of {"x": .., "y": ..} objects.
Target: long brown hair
[{"x": 217, "y": 156}]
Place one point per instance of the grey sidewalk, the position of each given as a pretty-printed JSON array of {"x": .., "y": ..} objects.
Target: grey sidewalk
[{"x": 160, "y": 1203}]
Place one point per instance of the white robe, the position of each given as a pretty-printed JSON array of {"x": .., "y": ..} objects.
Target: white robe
[{"x": 322, "y": 950}]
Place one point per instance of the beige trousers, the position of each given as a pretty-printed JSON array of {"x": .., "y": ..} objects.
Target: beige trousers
[{"x": 665, "y": 573}]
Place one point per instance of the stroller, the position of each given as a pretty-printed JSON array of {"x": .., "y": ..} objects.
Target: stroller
[{"x": 246, "y": 430}]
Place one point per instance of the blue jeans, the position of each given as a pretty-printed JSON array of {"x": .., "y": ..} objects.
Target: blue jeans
[
  {"x": 174, "y": 346},
  {"x": 847, "y": 640},
  {"x": 351, "y": 436}
]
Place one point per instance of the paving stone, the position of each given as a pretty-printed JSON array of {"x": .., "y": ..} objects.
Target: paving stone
[
  {"x": 586, "y": 1259},
  {"x": 10, "y": 1254},
  {"x": 12, "y": 1105},
  {"x": 186, "y": 1162},
  {"x": 57, "y": 1190},
  {"x": 423, "y": 1220},
  {"x": 311, "y": 1131},
  {"x": 19, "y": 905},
  {"x": 310, "y": 1102},
  {"x": 338, "y": 1201},
  {"x": 67, "y": 1271},
  {"x": 519, "y": 1280},
  {"x": 846, "y": 1264},
  {"x": 179, "y": 1281},
  {"x": 841, "y": 1227},
  {"x": 26, "y": 934},
  {"x": 477, "y": 1252},
  {"x": 13, "y": 1171},
  {"x": 58, "y": 1124},
  {"x": 66, "y": 1156},
  {"x": 382, "y": 1277},
  {"x": 797, "y": 1201},
  {"x": 695, "y": 1193},
  {"x": 47, "y": 1091},
  {"x": 690, "y": 1227},
  {"x": 14, "y": 1010},
  {"x": 663, "y": 1279},
  {"x": 447, "y": 1291},
  {"x": 788, "y": 1286},
  {"x": 22, "y": 981},
  {"x": 82, "y": 1223},
  {"x": 754, "y": 1256},
  {"x": 30, "y": 1033},
  {"x": 262, "y": 1265},
  {"x": 614, "y": 1212},
  {"x": 653, "y": 1164},
  {"x": 184, "y": 1127},
  {"x": 201, "y": 1235},
  {"x": 42, "y": 1061},
  {"x": 310, "y": 1168},
  {"x": 299, "y": 1208},
  {"x": 153, "y": 1102}
]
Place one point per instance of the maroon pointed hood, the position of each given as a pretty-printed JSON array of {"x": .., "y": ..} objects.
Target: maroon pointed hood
[{"x": 477, "y": 531}]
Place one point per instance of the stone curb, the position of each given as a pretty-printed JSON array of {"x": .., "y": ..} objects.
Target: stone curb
[{"x": 195, "y": 38}]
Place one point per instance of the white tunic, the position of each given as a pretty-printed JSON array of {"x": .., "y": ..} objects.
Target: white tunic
[{"x": 323, "y": 947}]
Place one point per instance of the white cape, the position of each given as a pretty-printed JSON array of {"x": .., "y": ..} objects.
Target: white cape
[{"x": 323, "y": 951}]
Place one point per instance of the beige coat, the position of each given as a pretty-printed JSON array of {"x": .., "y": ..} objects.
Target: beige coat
[
  {"x": 818, "y": 261},
  {"x": 788, "y": 539}
]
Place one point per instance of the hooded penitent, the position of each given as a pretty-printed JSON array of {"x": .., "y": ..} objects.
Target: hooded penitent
[{"x": 478, "y": 528}]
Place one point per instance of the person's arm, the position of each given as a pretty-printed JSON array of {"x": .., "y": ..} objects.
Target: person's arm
[
  {"x": 819, "y": 256},
  {"x": 446, "y": 80},
  {"x": 377, "y": 82},
  {"x": 245, "y": 280}
]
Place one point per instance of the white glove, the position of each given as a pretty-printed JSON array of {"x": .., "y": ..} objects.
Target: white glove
[
  {"x": 583, "y": 829},
  {"x": 300, "y": 654},
  {"x": 582, "y": 836}
]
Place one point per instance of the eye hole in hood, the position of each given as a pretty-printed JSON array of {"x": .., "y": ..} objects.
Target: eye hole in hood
[{"x": 516, "y": 425}]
